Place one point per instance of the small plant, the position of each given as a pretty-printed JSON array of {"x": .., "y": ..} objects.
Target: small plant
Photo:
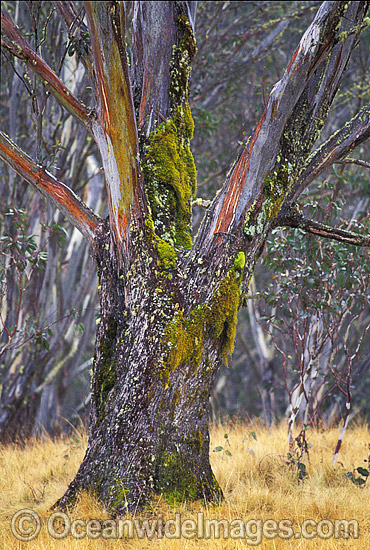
[
  {"x": 222, "y": 449},
  {"x": 295, "y": 459},
  {"x": 361, "y": 479}
]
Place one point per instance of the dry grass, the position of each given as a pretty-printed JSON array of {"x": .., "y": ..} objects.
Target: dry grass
[{"x": 255, "y": 479}]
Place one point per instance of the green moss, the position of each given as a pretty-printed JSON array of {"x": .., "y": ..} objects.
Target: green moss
[
  {"x": 171, "y": 178},
  {"x": 239, "y": 262},
  {"x": 198, "y": 441},
  {"x": 169, "y": 168},
  {"x": 174, "y": 479},
  {"x": 175, "y": 476},
  {"x": 186, "y": 335},
  {"x": 167, "y": 254},
  {"x": 222, "y": 319}
]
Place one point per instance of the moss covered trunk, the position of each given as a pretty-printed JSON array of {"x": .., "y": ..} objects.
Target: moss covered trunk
[{"x": 157, "y": 353}]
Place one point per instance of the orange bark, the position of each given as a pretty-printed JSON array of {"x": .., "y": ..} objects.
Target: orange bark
[
  {"x": 20, "y": 48},
  {"x": 60, "y": 194}
]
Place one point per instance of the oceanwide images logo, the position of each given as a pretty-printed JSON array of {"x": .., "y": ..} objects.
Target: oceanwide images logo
[{"x": 26, "y": 525}]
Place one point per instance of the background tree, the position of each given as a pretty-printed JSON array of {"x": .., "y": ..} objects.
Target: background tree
[
  {"x": 168, "y": 307},
  {"x": 48, "y": 309}
]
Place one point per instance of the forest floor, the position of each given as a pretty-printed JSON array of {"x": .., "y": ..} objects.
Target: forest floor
[{"x": 266, "y": 505}]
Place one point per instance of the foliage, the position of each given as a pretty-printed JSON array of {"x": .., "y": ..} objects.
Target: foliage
[
  {"x": 316, "y": 298},
  {"x": 296, "y": 458},
  {"x": 222, "y": 449},
  {"x": 361, "y": 479},
  {"x": 22, "y": 257}
]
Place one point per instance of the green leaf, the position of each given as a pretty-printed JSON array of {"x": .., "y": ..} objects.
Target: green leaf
[
  {"x": 363, "y": 471},
  {"x": 360, "y": 481},
  {"x": 218, "y": 449}
]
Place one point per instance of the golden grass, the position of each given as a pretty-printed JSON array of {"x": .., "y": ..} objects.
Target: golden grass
[{"x": 257, "y": 484}]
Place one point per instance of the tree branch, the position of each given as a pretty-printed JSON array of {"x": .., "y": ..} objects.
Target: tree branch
[
  {"x": 296, "y": 219},
  {"x": 18, "y": 46},
  {"x": 152, "y": 52},
  {"x": 77, "y": 213},
  {"x": 295, "y": 113},
  {"x": 115, "y": 131},
  {"x": 352, "y": 134},
  {"x": 353, "y": 161},
  {"x": 74, "y": 22}
]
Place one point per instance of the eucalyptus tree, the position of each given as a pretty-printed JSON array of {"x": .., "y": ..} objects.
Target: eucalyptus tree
[
  {"x": 48, "y": 297},
  {"x": 168, "y": 306}
]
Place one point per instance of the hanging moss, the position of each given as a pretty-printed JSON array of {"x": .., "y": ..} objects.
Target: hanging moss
[
  {"x": 222, "y": 318},
  {"x": 169, "y": 167},
  {"x": 186, "y": 335}
]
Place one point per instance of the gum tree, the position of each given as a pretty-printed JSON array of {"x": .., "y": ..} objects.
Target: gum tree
[
  {"x": 168, "y": 306},
  {"x": 44, "y": 304}
]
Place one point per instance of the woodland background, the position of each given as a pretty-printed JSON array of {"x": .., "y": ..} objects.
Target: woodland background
[{"x": 306, "y": 317}]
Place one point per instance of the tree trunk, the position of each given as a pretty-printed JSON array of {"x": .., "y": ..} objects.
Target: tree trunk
[{"x": 157, "y": 353}]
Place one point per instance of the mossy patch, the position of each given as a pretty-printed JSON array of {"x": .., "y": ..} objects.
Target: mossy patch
[
  {"x": 171, "y": 178},
  {"x": 218, "y": 320},
  {"x": 175, "y": 479},
  {"x": 169, "y": 167},
  {"x": 167, "y": 256}
]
